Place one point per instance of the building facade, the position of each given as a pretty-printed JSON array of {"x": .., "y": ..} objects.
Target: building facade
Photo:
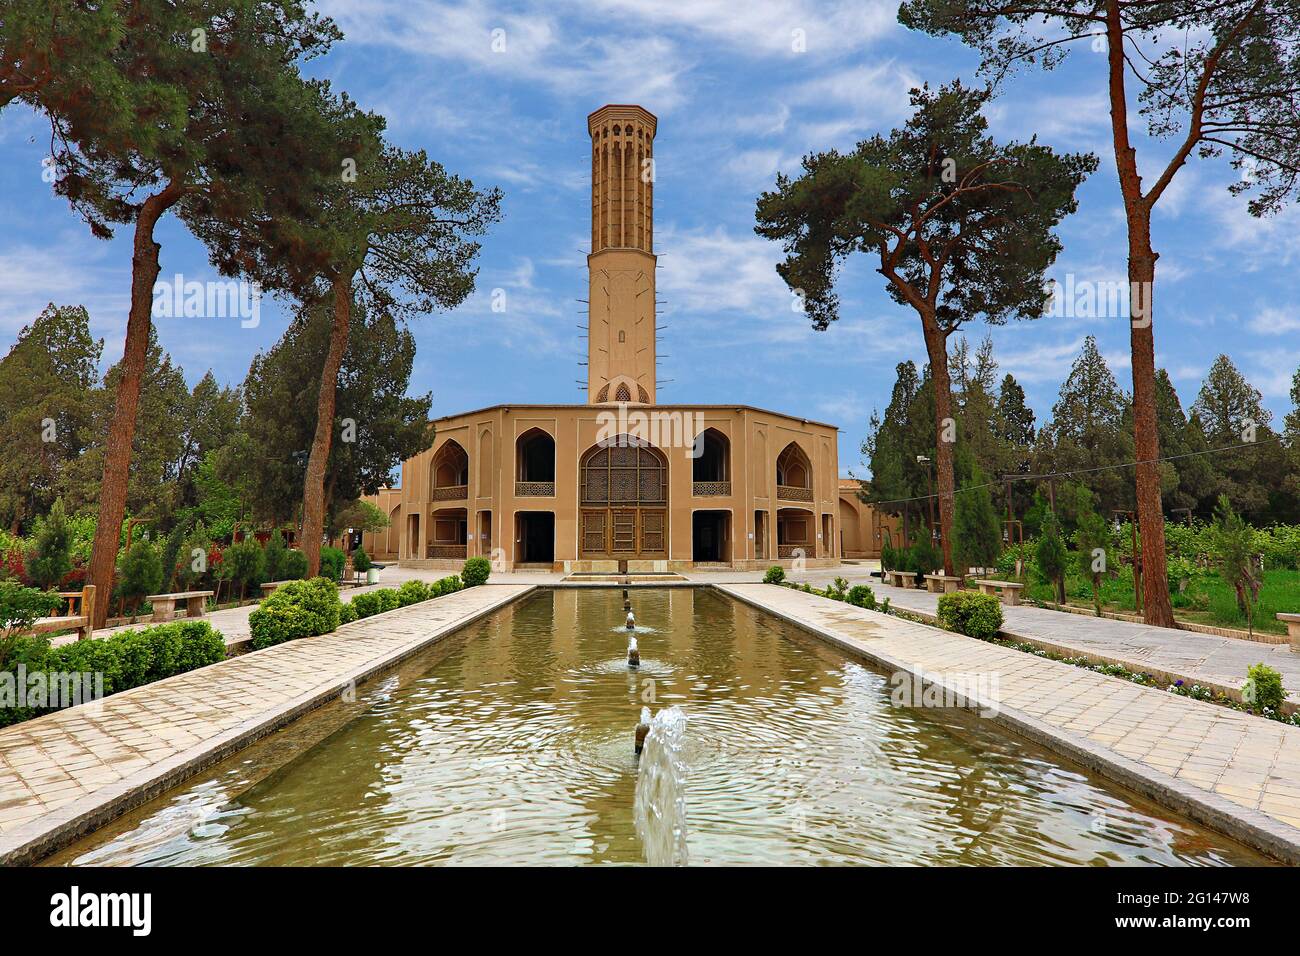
[{"x": 621, "y": 482}]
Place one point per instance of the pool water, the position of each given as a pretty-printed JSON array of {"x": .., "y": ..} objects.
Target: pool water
[{"x": 512, "y": 742}]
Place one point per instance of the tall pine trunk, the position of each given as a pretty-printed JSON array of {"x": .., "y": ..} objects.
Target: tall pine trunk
[
  {"x": 945, "y": 433},
  {"x": 1156, "y": 607},
  {"x": 313, "y": 491},
  {"x": 121, "y": 431}
]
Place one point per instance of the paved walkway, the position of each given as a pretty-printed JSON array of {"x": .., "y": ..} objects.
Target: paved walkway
[
  {"x": 1237, "y": 773},
  {"x": 233, "y": 622},
  {"x": 67, "y": 772},
  {"x": 1204, "y": 658}
]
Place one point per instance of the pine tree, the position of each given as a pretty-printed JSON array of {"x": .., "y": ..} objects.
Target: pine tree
[
  {"x": 1209, "y": 79},
  {"x": 978, "y": 539},
  {"x": 962, "y": 226},
  {"x": 1051, "y": 555}
]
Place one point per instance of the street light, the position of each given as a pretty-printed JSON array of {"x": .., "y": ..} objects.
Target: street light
[{"x": 929, "y": 479}]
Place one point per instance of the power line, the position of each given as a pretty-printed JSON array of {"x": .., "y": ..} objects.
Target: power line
[{"x": 1045, "y": 476}]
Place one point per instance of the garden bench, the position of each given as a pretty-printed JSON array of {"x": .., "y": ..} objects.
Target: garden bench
[
  {"x": 270, "y": 586},
  {"x": 1292, "y": 622},
  {"x": 1007, "y": 591},
  {"x": 943, "y": 583},
  {"x": 164, "y": 605},
  {"x": 901, "y": 579},
  {"x": 83, "y": 622}
]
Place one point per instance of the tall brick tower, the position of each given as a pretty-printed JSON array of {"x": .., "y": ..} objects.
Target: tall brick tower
[{"x": 621, "y": 266}]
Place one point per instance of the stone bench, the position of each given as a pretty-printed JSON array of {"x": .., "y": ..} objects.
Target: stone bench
[
  {"x": 164, "y": 605},
  {"x": 270, "y": 586},
  {"x": 943, "y": 583},
  {"x": 82, "y": 622},
  {"x": 1292, "y": 622},
  {"x": 901, "y": 579},
  {"x": 1007, "y": 591}
]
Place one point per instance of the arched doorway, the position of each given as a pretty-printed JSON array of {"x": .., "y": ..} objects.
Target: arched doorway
[
  {"x": 711, "y": 466},
  {"x": 711, "y": 537},
  {"x": 796, "y": 531},
  {"x": 535, "y": 464},
  {"x": 624, "y": 495},
  {"x": 449, "y": 476},
  {"x": 794, "y": 476}
]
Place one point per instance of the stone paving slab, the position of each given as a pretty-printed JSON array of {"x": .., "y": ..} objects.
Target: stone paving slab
[
  {"x": 1232, "y": 771},
  {"x": 1203, "y": 658},
  {"x": 66, "y": 773}
]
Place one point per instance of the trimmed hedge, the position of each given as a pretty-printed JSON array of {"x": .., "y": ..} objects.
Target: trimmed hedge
[
  {"x": 294, "y": 610},
  {"x": 970, "y": 613},
  {"x": 475, "y": 572},
  {"x": 126, "y": 659},
  {"x": 774, "y": 575},
  {"x": 387, "y": 599}
]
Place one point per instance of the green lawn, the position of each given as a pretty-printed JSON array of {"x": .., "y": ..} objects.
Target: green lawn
[{"x": 1208, "y": 600}]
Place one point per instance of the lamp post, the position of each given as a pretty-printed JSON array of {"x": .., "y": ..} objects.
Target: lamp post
[{"x": 929, "y": 481}]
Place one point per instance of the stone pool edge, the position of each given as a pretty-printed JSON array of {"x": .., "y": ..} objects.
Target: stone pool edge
[
  {"x": 50, "y": 832},
  {"x": 1251, "y": 827}
]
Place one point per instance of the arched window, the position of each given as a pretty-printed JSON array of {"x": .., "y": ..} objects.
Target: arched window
[
  {"x": 623, "y": 394},
  {"x": 624, "y": 471}
]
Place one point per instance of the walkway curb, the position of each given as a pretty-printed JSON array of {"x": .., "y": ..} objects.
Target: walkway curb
[{"x": 1251, "y": 827}]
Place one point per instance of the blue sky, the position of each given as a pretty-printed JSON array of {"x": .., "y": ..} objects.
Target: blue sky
[{"x": 736, "y": 103}]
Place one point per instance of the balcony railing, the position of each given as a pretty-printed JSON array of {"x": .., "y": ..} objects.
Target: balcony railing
[
  {"x": 446, "y": 550},
  {"x": 534, "y": 489},
  {"x": 789, "y": 493},
  {"x": 451, "y": 493},
  {"x": 710, "y": 489}
]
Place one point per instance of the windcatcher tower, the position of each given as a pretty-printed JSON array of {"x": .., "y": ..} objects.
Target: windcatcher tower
[{"x": 621, "y": 266}]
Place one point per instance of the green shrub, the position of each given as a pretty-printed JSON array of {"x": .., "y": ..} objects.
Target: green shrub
[
  {"x": 837, "y": 589},
  {"x": 1263, "y": 689},
  {"x": 862, "y": 596},
  {"x": 413, "y": 592},
  {"x": 293, "y": 566},
  {"x": 966, "y": 612},
  {"x": 51, "y": 555},
  {"x": 366, "y": 604},
  {"x": 347, "y": 613},
  {"x": 275, "y": 552},
  {"x": 125, "y": 660},
  {"x": 451, "y": 584},
  {"x": 244, "y": 563},
  {"x": 139, "y": 573},
  {"x": 360, "y": 560},
  {"x": 774, "y": 575},
  {"x": 294, "y": 610},
  {"x": 332, "y": 561},
  {"x": 475, "y": 572},
  {"x": 19, "y": 608}
]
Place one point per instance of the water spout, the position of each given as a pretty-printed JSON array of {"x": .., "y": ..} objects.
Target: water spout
[
  {"x": 660, "y": 805},
  {"x": 631, "y": 621},
  {"x": 633, "y": 652},
  {"x": 642, "y": 728}
]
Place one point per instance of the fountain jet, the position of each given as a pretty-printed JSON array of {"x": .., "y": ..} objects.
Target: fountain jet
[
  {"x": 633, "y": 653},
  {"x": 659, "y": 808}
]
